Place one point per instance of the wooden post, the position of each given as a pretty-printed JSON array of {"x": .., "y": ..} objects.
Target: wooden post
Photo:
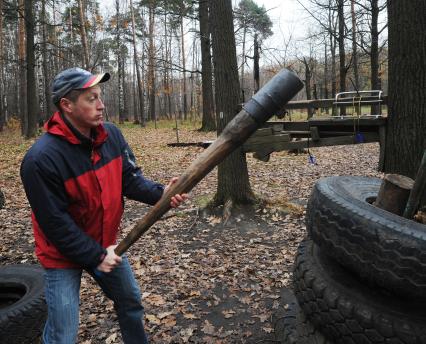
[
  {"x": 394, "y": 193},
  {"x": 418, "y": 190}
]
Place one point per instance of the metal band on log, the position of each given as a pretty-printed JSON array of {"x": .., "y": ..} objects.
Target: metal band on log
[{"x": 264, "y": 104}]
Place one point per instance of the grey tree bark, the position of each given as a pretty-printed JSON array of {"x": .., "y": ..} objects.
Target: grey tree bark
[
  {"x": 2, "y": 113},
  {"x": 233, "y": 181},
  {"x": 406, "y": 128},
  {"x": 208, "y": 120},
  {"x": 141, "y": 116},
  {"x": 83, "y": 34},
  {"x": 47, "y": 102},
  {"x": 32, "y": 105}
]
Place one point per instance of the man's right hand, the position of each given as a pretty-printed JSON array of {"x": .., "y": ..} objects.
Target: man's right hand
[{"x": 110, "y": 261}]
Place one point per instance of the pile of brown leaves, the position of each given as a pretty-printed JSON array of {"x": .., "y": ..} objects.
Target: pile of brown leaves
[{"x": 202, "y": 281}]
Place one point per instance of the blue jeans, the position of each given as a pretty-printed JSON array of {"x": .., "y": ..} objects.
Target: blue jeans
[{"x": 62, "y": 291}]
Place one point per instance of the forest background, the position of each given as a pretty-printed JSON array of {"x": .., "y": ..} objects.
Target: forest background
[{"x": 153, "y": 49}]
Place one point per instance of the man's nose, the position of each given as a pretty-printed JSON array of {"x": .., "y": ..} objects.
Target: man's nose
[{"x": 100, "y": 104}]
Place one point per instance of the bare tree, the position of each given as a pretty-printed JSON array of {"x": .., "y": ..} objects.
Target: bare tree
[
  {"x": 233, "y": 182},
  {"x": 354, "y": 45},
  {"x": 406, "y": 139},
  {"x": 151, "y": 63},
  {"x": 2, "y": 112},
  {"x": 22, "y": 68},
  {"x": 83, "y": 34},
  {"x": 32, "y": 105},
  {"x": 208, "y": 120},
  {"x": 141, "y": 116},
  {"x": 47, "y": 102}
]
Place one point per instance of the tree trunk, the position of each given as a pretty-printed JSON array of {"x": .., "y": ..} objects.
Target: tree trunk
[
  {"x": 256, "y": 58},
  {"x": 332, "y": 38},
  {"x": 233, "y": 180},
  {"x": 325, "y": 72},
  {"x": 22, "y": 69},
  {"x": 2, "y": 113},
  {"x": 70, "y": 28},
  {"x": 166, "y": 82},
  {"x": 32, "y": 106},
  {"x": 354, "y": 45},
  {"x": 406, "y": 128},
  {"x": 151, "y": 70},
  {"x": 308, "y": 77},
  {"x": 125, "y": 87},
  {"x": 47, "y": 102},
  {"x": 55, "y": 49},
  {"x": 208, "y": 121},
  {"x": 374, "y": 52},
  {"x": 185, "y": 101},
  {"x": 140, "y": 116},
  {"x": 120, "y": 63},
  {"x": 83, "y": 35},
  {"x": 243, "y": 64},
  {"x": 342, "y": 52}
]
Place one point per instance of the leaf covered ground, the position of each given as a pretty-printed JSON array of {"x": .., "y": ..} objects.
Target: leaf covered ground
[{"x": 202, "y": 281}]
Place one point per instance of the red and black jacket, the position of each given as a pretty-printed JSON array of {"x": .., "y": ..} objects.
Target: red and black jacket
[{"x": 75, "y": 187}]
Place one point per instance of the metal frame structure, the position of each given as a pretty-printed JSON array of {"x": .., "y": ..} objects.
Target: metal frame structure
[{"x": 357, "y": 98}]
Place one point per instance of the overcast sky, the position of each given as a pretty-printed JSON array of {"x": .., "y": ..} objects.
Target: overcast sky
[
  {"x": 285, "y": 15},
  {"x": 289, "y": 20}
]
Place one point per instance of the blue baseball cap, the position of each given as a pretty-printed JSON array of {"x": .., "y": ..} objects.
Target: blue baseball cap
[{"x": 74, "y": 79}]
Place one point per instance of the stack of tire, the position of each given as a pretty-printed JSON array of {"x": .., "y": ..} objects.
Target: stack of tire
[
  {"x": 360, "y": 276},
  {"x": 22, "y": 304}
]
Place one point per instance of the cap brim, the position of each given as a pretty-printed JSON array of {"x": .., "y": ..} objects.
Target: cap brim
[{"x": 96, "y": 79}]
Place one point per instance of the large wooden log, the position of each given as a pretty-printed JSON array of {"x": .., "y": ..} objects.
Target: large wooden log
[
  {"x": 264, "y": 104},
  {"x": 393, "y": 193}
]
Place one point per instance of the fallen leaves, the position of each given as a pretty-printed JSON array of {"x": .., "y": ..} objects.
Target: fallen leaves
[
  {"x": 201, "y": 281},
  {"x": 156, "y": 300}
]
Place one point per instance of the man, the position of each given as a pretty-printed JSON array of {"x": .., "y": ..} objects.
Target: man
[{"x": 75, "y": 177}]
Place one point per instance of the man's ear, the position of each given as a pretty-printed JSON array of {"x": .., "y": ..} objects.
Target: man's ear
[{"x": 66, "y": 105}]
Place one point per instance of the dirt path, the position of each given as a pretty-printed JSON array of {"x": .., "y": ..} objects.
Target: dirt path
[{"x": 202, "y": 282}]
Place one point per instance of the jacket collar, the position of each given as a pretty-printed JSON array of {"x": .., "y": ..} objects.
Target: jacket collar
[{"x": 58, "y": 125}]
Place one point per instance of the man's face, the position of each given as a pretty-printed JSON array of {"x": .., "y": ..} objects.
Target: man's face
[{"x": 87, "y": 111}]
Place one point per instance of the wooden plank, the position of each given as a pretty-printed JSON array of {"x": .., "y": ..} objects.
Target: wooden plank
[
  {"x": 287, "y": 125},
  {"x": 261, "y": 140},
  {"x": 276, "y": 128},
  {"x": 345, "y": 121},
  {"x": 262, "y": 132},
  {"x": 322, "y": 142}
]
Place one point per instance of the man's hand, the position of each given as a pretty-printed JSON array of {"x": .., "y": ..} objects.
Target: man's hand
[
  {"x": 177, "y": 199},
  {"x": 110, "y": 261}
]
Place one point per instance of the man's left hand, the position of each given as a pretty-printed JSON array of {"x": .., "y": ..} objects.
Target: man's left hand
[{"x": 177, "y": 199}]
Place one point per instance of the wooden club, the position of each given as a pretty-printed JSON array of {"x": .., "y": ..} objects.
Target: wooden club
[{"x": 269, "y": 100}]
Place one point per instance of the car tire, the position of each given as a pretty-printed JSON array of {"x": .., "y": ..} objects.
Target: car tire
[
  {"x": 348, "y": 311},
  {"x": 22, "y": 305},
  {"x": 294, "y": 328},
  {"x": 382, "y": 248}
]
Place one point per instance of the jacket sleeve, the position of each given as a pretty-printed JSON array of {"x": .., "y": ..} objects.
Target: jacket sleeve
[
  {"x": 46, "y": 194},
  {"x": 135, "y": 185}
]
